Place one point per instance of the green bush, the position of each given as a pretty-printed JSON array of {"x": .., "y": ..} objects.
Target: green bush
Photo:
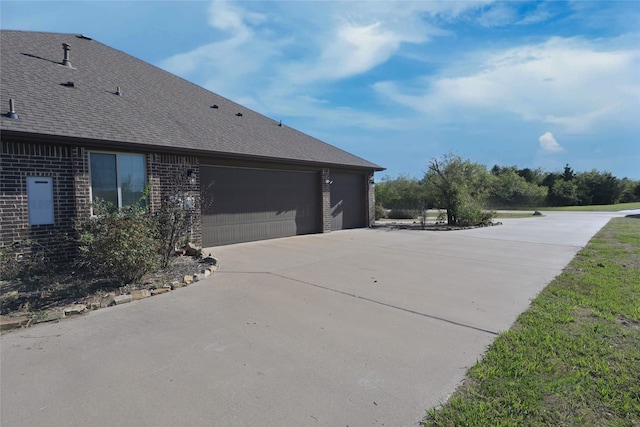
[
  {"x": 121, "y": 245},
  {"x": 471, "y": 213},
  {"x": 380, "y": 212}
]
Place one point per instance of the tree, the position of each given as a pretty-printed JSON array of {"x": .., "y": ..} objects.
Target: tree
[
  {"x": 402, "y": 192},
  {"x": 550, "y": 179},
  {"x": 563, "y": 190},
  {"x": 598, "y": 188},
  {"x": 568, "y": 173},
  {"x": 509, "y": 189},
  {"x": 534, "y": 176},
  {"x": 563, "y": 193},
  {"x": 630, "y": 192},
  {"x": 499, "y": 170},
  {"x": 460, "y": 187}
]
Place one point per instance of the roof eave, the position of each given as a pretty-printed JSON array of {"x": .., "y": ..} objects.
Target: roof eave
[{"x": 21, "y": 136}]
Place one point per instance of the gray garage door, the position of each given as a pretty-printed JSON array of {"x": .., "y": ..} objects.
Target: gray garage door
[
  {"x": 348, "y": 205},
  {"x": 257, "y": 204}
]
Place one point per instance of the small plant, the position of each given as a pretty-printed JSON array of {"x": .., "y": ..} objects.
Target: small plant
[
  {"x": 423, "y": 214},
  {"x": 118, "y": 244},
  {"x": 380, "y": 212},
  {"x": 173, "y": 220},
  {"x": 11, "y": 263},
  {"x": 177, "y": 214},
  {"x": 22, "y": 260}
]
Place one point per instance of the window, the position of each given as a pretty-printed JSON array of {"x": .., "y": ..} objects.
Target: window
[{"x": 117, "y": 178}]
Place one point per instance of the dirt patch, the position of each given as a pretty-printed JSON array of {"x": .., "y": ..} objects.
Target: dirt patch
[
  {"x": 416, "y": 225},
  {"x": 38, "y": 294}
]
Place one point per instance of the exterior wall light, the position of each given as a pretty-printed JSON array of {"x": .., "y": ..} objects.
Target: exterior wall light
[{"x": 192, "y": 176}]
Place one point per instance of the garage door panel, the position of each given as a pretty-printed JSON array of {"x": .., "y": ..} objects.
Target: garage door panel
[
  {"x": 250, "y": 218},
  {"x": 348, "y": 204},
  {"x": 227, "y": 234},
  {"x": 257, "y": 204}
]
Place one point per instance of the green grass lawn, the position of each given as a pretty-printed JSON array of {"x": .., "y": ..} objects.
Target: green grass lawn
[
  {"x": 595, "y": 208},
  {"x": 573, "y": 358},
  {"x": 528, "y": 212}
]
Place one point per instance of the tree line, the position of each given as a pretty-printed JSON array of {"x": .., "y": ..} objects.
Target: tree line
[{"x": 466, "y": 190}]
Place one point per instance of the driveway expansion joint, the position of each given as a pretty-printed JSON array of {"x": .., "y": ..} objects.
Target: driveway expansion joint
[{"x": 407, "y": 310}]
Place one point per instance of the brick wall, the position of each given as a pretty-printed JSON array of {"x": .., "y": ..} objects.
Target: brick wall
[
  {"x": 68, "y": 167},
  {"x": 19, "y": 161},
  {"x": 371, "y": 200},
  {"x": 168, "y": 176},
  {"x": 325, "y": 191},
  {"x": 81, "y": 182}
]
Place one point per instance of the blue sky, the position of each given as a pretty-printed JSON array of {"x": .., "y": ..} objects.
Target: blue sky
[{"x": 532, "y": 84}]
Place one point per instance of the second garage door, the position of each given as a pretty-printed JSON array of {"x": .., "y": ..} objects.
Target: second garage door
[
  {"x": 348, "y": 203},
  {"x": 258, "y": 204}
]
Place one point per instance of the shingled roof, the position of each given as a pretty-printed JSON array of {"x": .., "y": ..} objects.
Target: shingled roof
[{"x": 157, "y": 110}]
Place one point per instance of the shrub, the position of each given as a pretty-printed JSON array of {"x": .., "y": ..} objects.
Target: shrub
[
  {"x": 380, "y": 212},
  {"x": 118, "y": 244},
  {"x": 173, "y": 221},
  {"x": 11, "y": 267},
  {"x": 471, "y": 213},
  {"x": 22, "y": 260},
  {"x": 177, "y": 212}
]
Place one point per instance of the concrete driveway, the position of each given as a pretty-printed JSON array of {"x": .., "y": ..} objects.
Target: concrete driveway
[{"x": 351, "y": 328}]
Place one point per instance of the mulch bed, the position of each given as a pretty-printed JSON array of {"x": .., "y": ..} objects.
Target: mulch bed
[
  {"x": 429, "y": 227},
  {"x": 47, "y": 290}
]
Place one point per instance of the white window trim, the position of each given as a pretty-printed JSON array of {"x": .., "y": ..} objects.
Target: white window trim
[{"x": 118, "y": 184}]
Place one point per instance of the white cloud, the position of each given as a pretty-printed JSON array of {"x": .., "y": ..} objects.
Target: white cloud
[
  {"x": 323, "y": 113},
  {"x": 271, "y": 56},
  {"x": 269, "y": 59},
  {"x": 444, "y": 9},
  {"x": 497, "y": 15},
  {"x": 353, "y": 50},
  {"x": 541, "y": 13},
  {"x": 549, "y": 143},
  {"x": 352, "y": 38},
  {"x": 224, "y": 66},
  {"x": 582, "y": 123},
  {"x": 572, "y": 82},
  {"x": 226, "y": 16}
]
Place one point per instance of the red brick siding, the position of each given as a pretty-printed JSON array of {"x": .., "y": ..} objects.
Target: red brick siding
[
  {"x": 68, "y": 166},
  {"x": 19, "y": 161},
  {"x": 167, "y": 172},
  {"x": 325, "y": 189},
  {"x": 371, "y": 200}
]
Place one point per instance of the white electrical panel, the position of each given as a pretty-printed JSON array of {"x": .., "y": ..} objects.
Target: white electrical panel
[{"x": 40, "y": 197}]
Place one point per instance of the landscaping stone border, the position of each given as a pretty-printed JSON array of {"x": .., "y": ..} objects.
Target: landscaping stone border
[
  {"x": 110, "y": 299},
  {"x": 429, "y": 227}
]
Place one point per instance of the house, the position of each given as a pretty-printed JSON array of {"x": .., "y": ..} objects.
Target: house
[{"x": 83, "y": 120}]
